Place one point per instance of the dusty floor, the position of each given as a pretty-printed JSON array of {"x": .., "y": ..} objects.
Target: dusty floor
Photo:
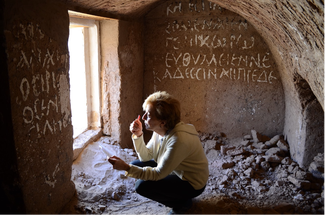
[{"x": 236, "y": 185}]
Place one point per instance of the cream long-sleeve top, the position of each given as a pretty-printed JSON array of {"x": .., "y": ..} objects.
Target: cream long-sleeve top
[{"x": 179, "y": 152}]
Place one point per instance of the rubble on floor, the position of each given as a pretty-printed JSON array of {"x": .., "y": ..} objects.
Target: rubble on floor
[
  {"x": 249, "y": 175},
  {"x": 258, "y": 170}
]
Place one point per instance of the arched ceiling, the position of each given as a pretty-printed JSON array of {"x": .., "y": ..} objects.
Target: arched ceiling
[{"x": 119, "y": 9}]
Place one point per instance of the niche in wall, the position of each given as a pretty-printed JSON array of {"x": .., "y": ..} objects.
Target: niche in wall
[{"x": 217, "y": 65}]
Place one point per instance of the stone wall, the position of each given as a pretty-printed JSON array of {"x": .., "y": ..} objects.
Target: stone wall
[
  {"x": 131, "y": 64},
  {"x": 293, "y": 31},
  {"x": 36, "y": 35},
  {"x": 217, "y": 65},
  {"x": 122, "y": 77}
]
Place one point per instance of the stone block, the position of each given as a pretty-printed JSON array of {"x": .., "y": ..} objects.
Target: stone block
[
  {"x": 319, "y": 158},
  {"x": 273, "y": 158},
  {"x": 225, "y": 148},
  {"x": 272, "y": 141},
  {"x": 275, "y": 151},
  {"x": 302, "y": 175},
  {"x": 245, "y": 143},
  {"x": 286, "y": 161},
  {"x": 259, "y": 145},
  {"x": 208, "y": 145},
  {"x": 283, "y": 145},
  {"x": 302, "y": 184},
  {"x": 317, "y": 166},
  {"x": 257, "y": 137},
  {"x": 265, "y": 165},
  {"x": 259, "y": 159},
  {"x": 247, "y": 137},
  {"x": 293, "y": 168},
  {"x": 249, "y": 172},
  {"x": 226, "y": 164},
  {"x": 235, "y": 152}
]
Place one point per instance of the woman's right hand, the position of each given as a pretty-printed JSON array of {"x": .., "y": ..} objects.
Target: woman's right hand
[{"x": 136, "y": 127}]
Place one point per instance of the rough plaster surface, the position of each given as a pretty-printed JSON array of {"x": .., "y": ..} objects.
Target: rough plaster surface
[
  {"x": 294, "y": 32},
  {"x": 38, "y": 63},
  {"x": 111, "y": 83},
  {"x": 131, "y": 66},
  {"x": 122, "y": 80},
  {"x": 217, "y": 65}
]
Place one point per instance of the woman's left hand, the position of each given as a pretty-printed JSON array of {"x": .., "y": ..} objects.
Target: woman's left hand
[{"x": 118, "y": 163}]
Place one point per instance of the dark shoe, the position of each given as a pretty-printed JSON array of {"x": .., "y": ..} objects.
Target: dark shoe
[{"x": 182, "y": 209}]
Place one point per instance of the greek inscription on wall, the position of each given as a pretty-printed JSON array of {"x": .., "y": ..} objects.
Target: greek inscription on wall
[
  {"x": 197, "y": 47},
  {"x": 38, "y": 98}
]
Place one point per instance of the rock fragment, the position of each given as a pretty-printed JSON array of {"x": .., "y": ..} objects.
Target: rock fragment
[
  {"x": 226, "y": 148},
  {"x": 302, "y": 184},
  {"x": 317, "y": 166},
  {"x": 272, "y": 141},
  {"x": 257, "y": 137},
  {"x": 283, "y": 145},
  {"x": 208, "y": 145},
  {"x": 236, "y": 151},
  {"x": 227, "y": 164}
]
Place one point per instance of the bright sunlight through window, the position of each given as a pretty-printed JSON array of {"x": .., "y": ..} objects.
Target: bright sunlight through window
[
  {"x": 84, "y": 75},
  {"x": 77, "y": 73}
]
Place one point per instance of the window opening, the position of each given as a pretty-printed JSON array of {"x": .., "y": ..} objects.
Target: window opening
[
  {"x": 78, "y": 96},
  {"x": 84, "y": 74}
]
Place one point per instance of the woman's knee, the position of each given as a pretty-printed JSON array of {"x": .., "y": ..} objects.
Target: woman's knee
[
  {"x": 136, "y": 162},
  {"x": 139, "y": 163},
  {"x": 140, "y": 186}
]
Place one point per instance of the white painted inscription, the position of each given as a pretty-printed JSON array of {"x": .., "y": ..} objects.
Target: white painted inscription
[
  {"x": 38, "y": 97},
  {"x": 218, "y": 55}
]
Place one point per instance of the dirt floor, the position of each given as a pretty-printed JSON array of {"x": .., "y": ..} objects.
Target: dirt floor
[{"x": 240, "y": 182}]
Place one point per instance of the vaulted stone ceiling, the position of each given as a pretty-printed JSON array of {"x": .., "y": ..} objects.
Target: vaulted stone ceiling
[{"x": 120, "y": 9}]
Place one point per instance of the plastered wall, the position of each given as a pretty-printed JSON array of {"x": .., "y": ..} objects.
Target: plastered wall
[
  {"x": 217, "y": 65},
  {"x": 294, "y": 32},
  {"x": 122, "y": 80},
  {"x": 36, "y": 34}
]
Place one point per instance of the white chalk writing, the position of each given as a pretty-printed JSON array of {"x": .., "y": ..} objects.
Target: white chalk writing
[
  {"x": 192, "y": 6},
  {"x": 213, "y": 41},
  {"x": 246, "y": 75},
  {"x": 198, "y": 25},
  {"x": 185, "y": 59},
  {"x": 38, "y": 97}
]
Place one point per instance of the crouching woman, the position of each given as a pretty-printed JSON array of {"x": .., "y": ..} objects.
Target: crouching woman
[{"x": 172, "y": 168}]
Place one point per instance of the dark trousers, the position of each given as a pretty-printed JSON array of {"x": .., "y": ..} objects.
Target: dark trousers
[{"x": 170, "y": 191}]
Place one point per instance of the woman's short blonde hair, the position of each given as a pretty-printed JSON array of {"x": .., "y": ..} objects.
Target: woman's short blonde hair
[{"x": 166, "y": 107}]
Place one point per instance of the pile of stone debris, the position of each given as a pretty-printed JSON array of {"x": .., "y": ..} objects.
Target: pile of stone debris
[{"x": 260, "y": 169}]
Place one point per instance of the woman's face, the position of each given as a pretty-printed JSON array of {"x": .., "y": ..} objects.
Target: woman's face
[{"x": 150, "y": 120}]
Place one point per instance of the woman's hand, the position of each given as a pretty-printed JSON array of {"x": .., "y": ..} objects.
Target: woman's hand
[
  {"x": 136, "y": 127},
  {"x": 118, "y": 163}
]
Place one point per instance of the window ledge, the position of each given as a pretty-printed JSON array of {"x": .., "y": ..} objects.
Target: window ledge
[{"x": 84, "y": 139}]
